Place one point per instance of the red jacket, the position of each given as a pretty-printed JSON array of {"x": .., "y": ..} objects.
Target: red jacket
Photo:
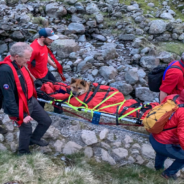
[
  {"x": 174, "y": 80},
  {"x": 175, "y": 135}
]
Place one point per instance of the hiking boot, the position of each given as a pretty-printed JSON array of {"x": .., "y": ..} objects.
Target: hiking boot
[
  {"x": 173, "y": 177},
  {"x": 38, "y": 142},
  {"x": 3, "y": 131}
]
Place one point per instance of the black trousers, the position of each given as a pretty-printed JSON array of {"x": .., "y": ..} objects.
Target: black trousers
[
  {"x": 44, "y": 121},
  {"x": 48, "y": 77}
]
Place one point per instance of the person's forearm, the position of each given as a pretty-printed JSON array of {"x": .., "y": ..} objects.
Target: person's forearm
[
  {"x": 51, "y": 62},
  {"x": 162, "y": 95}
]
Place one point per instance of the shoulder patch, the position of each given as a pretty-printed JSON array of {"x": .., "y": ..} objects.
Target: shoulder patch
[{"x": 6, "y": 86}]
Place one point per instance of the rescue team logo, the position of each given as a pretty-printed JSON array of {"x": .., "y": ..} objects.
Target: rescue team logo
[
  {"x": 6, "y": 86},
  {"x": 52, "y": 32}
]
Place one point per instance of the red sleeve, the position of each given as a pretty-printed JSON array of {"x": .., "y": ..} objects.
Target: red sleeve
[
  {"x": 172, "y": 78},
  {"x": 180, "y": 130}
]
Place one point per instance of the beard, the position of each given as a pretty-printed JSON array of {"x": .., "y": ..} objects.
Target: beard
[{"x": 46, "y": 43}]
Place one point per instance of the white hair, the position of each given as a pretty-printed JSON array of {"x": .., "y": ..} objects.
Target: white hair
[{"x": 19, "y": 49}]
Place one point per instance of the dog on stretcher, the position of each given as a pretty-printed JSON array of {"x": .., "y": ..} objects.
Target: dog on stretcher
[{"x": 79, "y": 87}]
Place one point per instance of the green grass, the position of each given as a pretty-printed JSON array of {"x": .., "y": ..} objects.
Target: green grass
[
  {"x": 174, "y": 47},
  {"x": 42, "y": 169},
  {"x": 158, "y": 3}
]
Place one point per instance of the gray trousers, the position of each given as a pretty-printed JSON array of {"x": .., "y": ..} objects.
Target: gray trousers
[{"x": 44, "y": 121}]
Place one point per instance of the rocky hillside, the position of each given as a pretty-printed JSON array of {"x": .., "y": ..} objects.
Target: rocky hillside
[{"x": 112, "y": 42}]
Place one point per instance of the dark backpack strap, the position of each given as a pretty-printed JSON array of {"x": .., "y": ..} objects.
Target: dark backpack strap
[
  {"x": 94, "y": 93},
  {"x": 175, "y": 97},
  {"x": 169, "y": 128},
  {"x": 87, "y": 93},
  {"x": 135, "y": 105},
  {"x": 117, "y": 109},
  {"x": 175, "y": 67},
  {"x": 143, "y": 110},
  {"x": 105, "y": 96}
]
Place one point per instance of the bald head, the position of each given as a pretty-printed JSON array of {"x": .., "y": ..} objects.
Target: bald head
[{"x": 20, "y": 52}]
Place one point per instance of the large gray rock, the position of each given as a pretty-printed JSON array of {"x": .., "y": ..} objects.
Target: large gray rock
[
  {"x": 108, "y": 72},
  {"x": 103, "y": 133},
  {"x": 149, "y": 62},
  {"x": 58, "y": 145},
  {"x": 132, "y": 8},
  {"x": 64, "y": 47},
  {"x": 71, "y": 2},
  {"x": 53, "y": 10},
  {"x": 157, "y": 27},
  {"x": 120, "y": 152},
  {"x": 12, "y": 2},
  {"x": 148, "y": 151},
  {"x": 88, "y": 152},
  {"x": 76, "y": 28},
  {"x": 92, "y": 8},
  {"x": 127, "y": 37},
  {"x": 52, "y": 133},
  {"x": 112, "y": 1},
  {"x": 106, "y": 157},
  {"x": 124, "y": 88},
  {"x": 166, "y": 16},
  {"x": 17, "y": 36},
  {"x": 84, "y": 66},
  {"x": 166, "y": 57},
  {"x": 3, "y": 48},
  {"x": 71, "y": 148},
  {"x": 99, "y": 18},
  {"x": 2, "y": 147},
  {"x": 25, "y": 18},
  {"x": 89, "y": 137},
  {"x": 144, "y": 94},
  {"x": 99, "y": 37},
  {"x": 131, "y": 76},
  {"x": 109, "y": 51}
]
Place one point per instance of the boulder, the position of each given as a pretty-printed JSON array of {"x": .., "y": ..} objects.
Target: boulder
[
  {"x": 3, "y": 48},
  {"x": 89, "y": 137},
  {"x": 157, "y": 27},
  {"x": 149, "y": 62},
  {"x": 109, "y": 51},
  {"x": 108, "y": 72},
  {"x": 148, "y": 151},
  {"x": 106, "y": 157},
  {"x": 127, "y": 37},
  {"x": 12, "y": 2},
  {"x": 71, "y": 148},
  {"x": 166, "y": 57},
  {"x": 131, "y": 76},
  {"x": 92, "y": 8},
  {"x": 76, "y": 28},
  {"x": 64, "y": 47},
  {"x": 124, "y": 88},
  {"x": 120, "y": 152},
  {"x": 17, "y": 36},
  {"x": 144, "y": 94}
]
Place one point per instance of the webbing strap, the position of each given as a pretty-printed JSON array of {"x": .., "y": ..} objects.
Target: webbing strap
[
  {"x": 105, "y": 96},
  {"x": 22, "y": 98},
  {"x": 129, "y": 112},
  {"x": 59, "y": 66},
  {"x": 94, "y": 93},
  {"x": 87, "y": 93}
]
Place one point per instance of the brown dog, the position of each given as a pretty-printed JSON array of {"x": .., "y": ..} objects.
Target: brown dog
[{"x": 79, "y": 87}]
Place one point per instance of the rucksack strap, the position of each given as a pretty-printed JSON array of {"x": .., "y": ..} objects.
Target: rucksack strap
[
  {"x": 59, "y": 66},
  {"x": 170, "y": 66},
  {"x": 22, "y": 98}
]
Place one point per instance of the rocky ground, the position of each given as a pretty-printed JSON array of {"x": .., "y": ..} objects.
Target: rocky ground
[{"x": 111, "y": 42}]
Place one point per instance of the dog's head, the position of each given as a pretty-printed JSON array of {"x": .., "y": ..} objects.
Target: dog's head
[{"x": 79, "y": 87}]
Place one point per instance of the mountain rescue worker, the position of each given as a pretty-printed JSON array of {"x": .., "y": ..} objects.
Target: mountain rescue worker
[
  {"x": 170, "y": 142},
  {"x": 174, "y": 80},
  {"x": 19, "y": 97},
  {"x": 40, "y": 57}
]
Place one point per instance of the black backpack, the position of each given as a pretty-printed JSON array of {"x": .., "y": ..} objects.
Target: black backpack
[{"x": 156, "y": 75}]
